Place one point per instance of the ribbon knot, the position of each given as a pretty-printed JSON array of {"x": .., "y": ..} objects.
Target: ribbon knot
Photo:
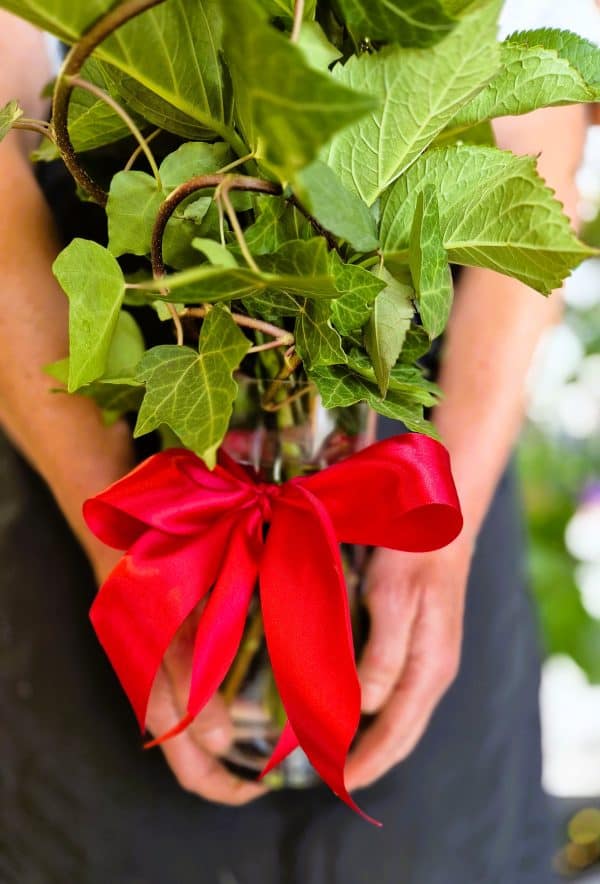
[{"x": 191, "y": 534}]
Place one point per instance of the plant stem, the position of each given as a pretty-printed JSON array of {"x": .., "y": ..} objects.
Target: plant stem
[
  {"x": 181, "y": 193},
  {"x": 222, "y": 193},
  {"x": 250, "y": 645},
  {"x": 71, "y": 68},
  {"x": 267, "y": 328},
  {"x": 298, "y": 16},
  {"x": 139, "y": 149},
  {"x": 37, "y": 126},
  {"x": 121, "y": 112}
]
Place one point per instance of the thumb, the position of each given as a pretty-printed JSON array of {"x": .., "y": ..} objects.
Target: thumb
[{"x": 392, "y": 601}]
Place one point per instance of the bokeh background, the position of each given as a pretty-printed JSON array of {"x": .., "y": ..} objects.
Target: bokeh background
[{"x": 559, "y": 458}]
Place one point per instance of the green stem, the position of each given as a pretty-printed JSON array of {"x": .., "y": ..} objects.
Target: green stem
[
  {"x": 74, "y": 62},
  {"x": 298, "y": 16}
]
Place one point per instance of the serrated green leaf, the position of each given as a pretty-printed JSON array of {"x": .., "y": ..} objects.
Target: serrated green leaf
[
  {"x": 390, "y": 320},
  {"x": 495, "y": 211},
  {"x": 9, "y": 115},
  {"x": 338, "y": 210},
  {"x": 530, "y": 78},
  {"x": 193, "y": 392},
  {"x": 94, "y": 283},
  {"x": 340, "y": 387},
  {"x": 277, "y": 222},
  {"x": 420, "y": 92},
  {"x": 317, "y": 342},
  {"x": 286, "y": 118},
  {"x": 408, "y": 22},
  {"x": 352, "y": 310},
  {"x": 582, "y": 54},
  {"x": 429, "y": 265}
]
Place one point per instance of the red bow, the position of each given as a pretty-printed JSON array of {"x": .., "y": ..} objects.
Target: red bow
[{"x": 188, "y": 530}]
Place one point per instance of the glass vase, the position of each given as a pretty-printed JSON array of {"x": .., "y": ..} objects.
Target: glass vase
[{"x": 281, "y": 430}]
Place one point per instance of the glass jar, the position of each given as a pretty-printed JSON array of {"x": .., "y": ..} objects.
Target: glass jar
[{"x": 281, "y": 430}]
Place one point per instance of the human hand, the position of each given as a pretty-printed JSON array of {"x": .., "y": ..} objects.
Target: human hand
[
  {"x": 193, "y": 754},
  {"x": 416, "y": 605}
]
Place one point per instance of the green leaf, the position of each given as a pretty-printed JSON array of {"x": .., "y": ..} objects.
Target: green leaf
[
  {"x": 135, "y": 198},
  {"x": 286, "y": 109},
  {"x": 277, "y": 223},
  {"x": 420, "y": 91},
  {"x": 95, "y": 286},
  {"x": 404, "y": 381},
  {"x": 318, "y": 52},
  {"x": 92, "y": 122},
  {"x": 133, "y": 203},
  {"x": 193, "y": 392},
  {"x": 215, "y": 252},
  {"x": 582, "y": 55},
  {"x": 387, "y": 328},
  {"x": 340, "y": 387},
  {"x": 429, "y": 265},
  {"x": 495, "y": 212},
  {"x": 408, "y": 22},
  {"x": 416, "y": 345},
  {"x": 63, "y": 18},
  {"x": 285, "y": 8},
  {"x": 530, "y": 78},
  {"x": 9, "y": 115},
  {"x": 337, "y": 209},
  {"x": 300, "y": 267},
  {"x": 317, "y": 341},
  {"x": 352, "y": 310}
]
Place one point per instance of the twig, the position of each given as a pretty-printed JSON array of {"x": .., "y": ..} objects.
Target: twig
[
  {"x": 283, "y": 337},
  {"x": 139, "y": 149},
  {"x": 63, "y": 90},
  {"x": 298, "y": 16},
  {"x": 121, "y": 112},
  {"x": 222, "y": 194}
]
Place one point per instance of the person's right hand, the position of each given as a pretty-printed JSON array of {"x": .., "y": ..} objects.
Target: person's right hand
[{"x": 193, "y": 754}]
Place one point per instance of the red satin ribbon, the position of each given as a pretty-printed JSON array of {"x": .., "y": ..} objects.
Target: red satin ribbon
[{"x": 187, "y": 531}]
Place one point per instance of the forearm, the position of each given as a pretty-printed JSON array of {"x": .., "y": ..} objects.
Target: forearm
[
  {"x": 62, "y": 436},
  {"x": 494, "y": 330}
]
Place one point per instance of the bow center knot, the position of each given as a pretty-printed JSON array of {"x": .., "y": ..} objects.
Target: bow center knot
[{"x": 265, "y": 495}]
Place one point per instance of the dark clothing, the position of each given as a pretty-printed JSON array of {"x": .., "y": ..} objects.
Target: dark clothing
[{"x": 80, "y": 802}]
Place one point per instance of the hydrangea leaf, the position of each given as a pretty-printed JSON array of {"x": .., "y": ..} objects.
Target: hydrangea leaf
[
  {"x": 429, "y": 265},
  {"x": 495, "y": 211},
  {"x": 419, "y": 91}
]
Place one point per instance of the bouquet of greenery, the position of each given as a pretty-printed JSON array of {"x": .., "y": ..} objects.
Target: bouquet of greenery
[{"x": 287, "y": 186}]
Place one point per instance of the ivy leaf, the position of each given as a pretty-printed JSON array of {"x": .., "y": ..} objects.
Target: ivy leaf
[
  {"x": 286, "y": 119},
  {"x": 63, "y": 18},
  {"x": 531, "y": 77},
  {"x": 416, "y": 344},
  {"x": 352, "y": 310},
  {"x": 337, "y": 209},
  {"x": 277, "y": 223},
  {"x": 408, "y": 22},
  {"x": 92, "y": 122},
  {"x": 135, "y": 198},
  {"x": 9, "y": 115},
  {"x": 420, "y": 91},
  {"x": 340, "y": 387},
  {"x": 317, "y": 342},
  {"x": 387, "y": 328},
  {"x": 496, "y": 212},
  {"x": 285, "y": 8},
  {"x": 193, "y": 392},
  {"x": 429, "y": 265},
  {"x": 95, "y": 286},
  {"x": 216, "y": 253},
  {"x": 405, "y": 381}
]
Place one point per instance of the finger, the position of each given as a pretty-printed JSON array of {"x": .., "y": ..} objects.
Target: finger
[
  {"x": 392, "y": 604},
  {"x": 431, "y": 667},
  {"x": 196, "y": 771}
]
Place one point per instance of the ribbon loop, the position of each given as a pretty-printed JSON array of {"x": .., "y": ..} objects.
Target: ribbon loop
[{"x": 189, "y": 532}]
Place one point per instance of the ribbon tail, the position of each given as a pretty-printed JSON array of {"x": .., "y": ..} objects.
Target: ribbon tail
[
  {"x": 307, "y": 628},
  {"x": 147, "y": 598},
  {"x": 287, "y": 743}
]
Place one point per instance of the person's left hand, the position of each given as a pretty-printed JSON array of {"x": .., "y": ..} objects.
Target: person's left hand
[{"x": 416, "y": 605}]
